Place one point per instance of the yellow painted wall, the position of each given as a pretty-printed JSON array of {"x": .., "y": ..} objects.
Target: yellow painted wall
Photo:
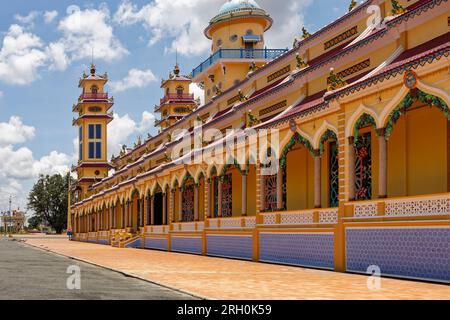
[
  {"x": 417, "y": 158},
  {"x": 239, "y": 28},
  {"x": 251, "y": 191},
  {"x": 300, "y": 179},
  {"x": 435, "y": 27}
]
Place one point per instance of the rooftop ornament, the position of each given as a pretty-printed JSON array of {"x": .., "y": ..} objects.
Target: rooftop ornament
[
  {"x": 397, "y": 8},
  {"x": 305, "y": 33},
  {"x": 301, "y": 64},
  {"x": 253, "y": 67},
  {"x": 241, "y": 96},
  {"x": 352, "y": 5},
  {"x": 335, "y": 81},
  {"x": 252, "y": 120}
]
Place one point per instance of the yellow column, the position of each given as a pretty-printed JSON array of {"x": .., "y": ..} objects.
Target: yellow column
[
  {"x": 244, "y": 194},
  {"x": 317, "y": 180}
]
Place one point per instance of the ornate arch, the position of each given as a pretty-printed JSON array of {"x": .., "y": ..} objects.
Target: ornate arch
[
  {"x": 356, "y": 116},
  {"x": 296, "y": 138},
  {"x": 414, "y": 96},
  {"x": 326, "y": 129},
  {"x": 364, "y": 120}
]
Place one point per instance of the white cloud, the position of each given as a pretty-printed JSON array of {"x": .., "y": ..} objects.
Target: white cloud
[
  {"x": 21, "y": 56},
  {"x": 14, "y": 132},
  {"x": 28, "y": 19},
  {"x": 49, "y": 16},
  {"x": 18, "y": 167},
  {"x": 135, "y": 79},
  {"x": 183, "y": 21},
  {"x": 198, "y": 92},
  {"x": 147, "y": 122},
  {"x": 84, "y": 31},
  {"x": 122, "y": 129}
]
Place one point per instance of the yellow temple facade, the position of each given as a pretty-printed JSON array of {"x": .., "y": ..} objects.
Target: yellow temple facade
[{"x": 340, "y": 153}]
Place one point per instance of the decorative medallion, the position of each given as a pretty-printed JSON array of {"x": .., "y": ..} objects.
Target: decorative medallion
[{"x": 410, "y": 80}]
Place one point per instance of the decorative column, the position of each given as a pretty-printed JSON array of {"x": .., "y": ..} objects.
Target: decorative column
[
  {"x": 317, "y": 179},
  {"x": 196, "y": 199},
  {"x": 280, "y": 188},
  {"x": 152, "y": 210},
  {"x": 382, "y": 163},
  {"x": 164, "y": 209},
  {"x": 142, "y": 212},
  {"x": 123, "y": 210},
  {"x": 351, "y": 169},
  {"x": 209, "y": 193},
  {"x": 146, "y": 201},
  {"x": 219, "y": 199},
  {"x": 244, "y": 194},
  {"x": 172, "y": 206},
  {"x": 180, "y": 205}
]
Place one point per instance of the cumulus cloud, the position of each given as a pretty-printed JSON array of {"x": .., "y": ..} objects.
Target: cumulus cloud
[
  {"x": 28, "y": 19},
  {"x": 49, "y": 16},
  {"x": 18, "y": 166},
  {"x": 183, "y": 21},
  {"x": 123, "y": 128},
  {"x": 21, "y": 55},
  {"x": 135, "y": 79},
  {"x": 14, "y": 132},
  {"x": 84, "y": 31}
]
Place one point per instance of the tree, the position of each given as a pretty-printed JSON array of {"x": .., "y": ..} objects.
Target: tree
[
  {"x": 34, "y": 222},
  {"x": 49, "y": 200}
]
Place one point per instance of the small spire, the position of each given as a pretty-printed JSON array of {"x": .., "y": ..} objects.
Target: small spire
[
  {"x": 93, "y": 69},
  {"x": 176, "y": 70}
]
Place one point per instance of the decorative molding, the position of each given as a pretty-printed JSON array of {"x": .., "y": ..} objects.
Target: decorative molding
[
  {"x": 279, "y": 73},
  {"x": 273, "y": 108},
  {"x": 341, "y": 37}
]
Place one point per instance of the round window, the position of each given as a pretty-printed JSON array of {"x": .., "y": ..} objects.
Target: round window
[
  {"x": 249, "y": 32},
  {"x": 234, "y": 38},
  {"x": 97, "y": 173}
]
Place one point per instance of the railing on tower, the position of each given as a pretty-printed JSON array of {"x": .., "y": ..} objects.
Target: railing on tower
[
  {"x": 177, "y": 97},
  {"x": 94, "y": 96},
  {"x": 257, "y": 54}
]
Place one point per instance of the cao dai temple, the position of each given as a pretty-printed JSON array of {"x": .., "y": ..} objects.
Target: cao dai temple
[{"x": 361, "y": 114}]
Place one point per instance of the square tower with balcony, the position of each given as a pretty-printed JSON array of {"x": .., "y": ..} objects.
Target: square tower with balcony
[
  {"x": 177, "y": 102},
  {"x": 93, "y": 116}
]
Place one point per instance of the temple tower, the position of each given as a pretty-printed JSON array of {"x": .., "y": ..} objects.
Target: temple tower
[
  {"x": 93, "y": 117},
  {"x": 237, "y": 35},
  {"x": 177, "y": 102}
]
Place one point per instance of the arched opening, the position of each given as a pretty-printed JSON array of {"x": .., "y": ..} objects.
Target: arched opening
[
  {"x": 329, "y": 153},
  {"x": 187, "y": 193},
  {"x": 271, "y": 185},
  {"x": 417, "y": 133},
  {"x": 365, "y": 160},
  {"x": 297, "y": 162},
  {"x": 180, "y": 90}
]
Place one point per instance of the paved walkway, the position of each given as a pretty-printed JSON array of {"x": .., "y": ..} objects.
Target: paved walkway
[
  {"x": 27, "y": 273},
  {"x": 216, "y": 278}
]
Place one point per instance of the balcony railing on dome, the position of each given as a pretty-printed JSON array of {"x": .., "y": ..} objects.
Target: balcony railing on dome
[
  {"x": 94, "y": 96},
  {"x": 256, "y": 54},
  {"x": 177, "y": 97}
]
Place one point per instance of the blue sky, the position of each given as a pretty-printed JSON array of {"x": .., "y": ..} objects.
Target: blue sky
[{"x": 44, "y": 51}]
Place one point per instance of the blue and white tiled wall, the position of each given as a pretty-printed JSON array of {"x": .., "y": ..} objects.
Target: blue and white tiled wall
[
  {"x": 135, "y": 244},
  {"x": 187, "y": 244},
  {"x": 156, "y": 243},
  {"x": 301, "y": 249},
  {"x": 230, "y": 246},
  {"x": 421, "y": 253}
]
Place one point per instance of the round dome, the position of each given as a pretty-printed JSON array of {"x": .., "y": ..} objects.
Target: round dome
[{"x": 236, "y": 5}]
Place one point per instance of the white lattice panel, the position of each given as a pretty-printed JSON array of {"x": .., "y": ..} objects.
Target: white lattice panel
[
  {"x": 200, "y": 226},
  {"x": 328, "y": 216},
  {"x": 366, "y": 210},
  {"x": 270, "y": 219},
  {"x": 188, "y": 226},
  {"x": 213, "y": 223},
  {"x": 250, "y": 222},
  {"x": 230, "y": 223},
  {"x": 297, "y": 218},
  {"x": 418, "y": 207}
]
